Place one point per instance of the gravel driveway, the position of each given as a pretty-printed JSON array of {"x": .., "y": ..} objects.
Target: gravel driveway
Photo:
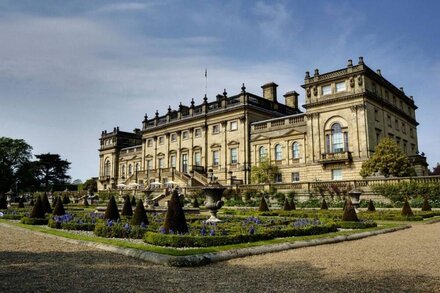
[{"x": 404, "y": 261}]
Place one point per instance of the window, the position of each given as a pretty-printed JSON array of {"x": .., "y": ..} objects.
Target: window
[
  {"x": 197, "y": 132},
  {"x": 389, "y": 120},
  {"x": 411, "y": 132},
  {"x": 336, "y": 174},
  {"x": 262, "y": 153},
  {"x": 233, "y": 125},
  {"x": 337, "y": 138},
  {"x": 149, "y": 164},
  {"x": 295, "y": 150},
  {"x": 149, "y": 143},
  {"x": 160, "y": 163},
  {"x": 137, "y": 167},
  {"x": 130, "y": 169},
  {"x": 401, "y": 105},
  {"x": 173, "y": 161},
  {"x": 215, "y": 129},
  {"x": 161, "y": 140},
  {"x": 278, "y": 153},
  {"x": 378, "y": 136},
  {"x": 278, "y": 178},
  {"x": 405, "y": 146},
  {"x": 340, "y": 87},
  {"x": 403, "y": 127},
  {"x": 197, "y": 159},
  {"x": 123, "y": 171},
  {"x": 215, "y": 158},
  {"x": 396, "y": 123},
  {"x": 173, "y": 137},
  {"x": 326, "y": 90},
  {"x": 185, "y": 134},
  {"x": 295, "y": 176},
  {"x": 376, "y": 114},
  {"x": 234, "y": 156}
]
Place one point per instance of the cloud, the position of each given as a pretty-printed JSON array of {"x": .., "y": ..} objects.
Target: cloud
[{"x": 126, "y": 7}]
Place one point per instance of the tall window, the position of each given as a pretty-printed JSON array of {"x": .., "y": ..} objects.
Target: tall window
[
  {"x": 160, "y": 163},
  {"x": 123, "y": 170},
  {"x": 278, "y": 153},
  {"x": 197, "y": 159},
  {"x": 149, "y": 164},
  {"x": 262, "y": 153},
  {"x": 173, "y": 161},
  {"x": 234, "y": 156},
  {"x": 130, "y": 169},
  {"x": 215, "y": 158},
  {"x": 295, "y": 150},
  {"x": 337, "y": 138},
  {"x": 137, "y": 167}
]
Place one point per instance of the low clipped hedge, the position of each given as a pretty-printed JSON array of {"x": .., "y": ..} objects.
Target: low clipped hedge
[
  {"x": 356, "y": 225},
  {"x": 119, "y": 230},
  {"x": 11, "y": 217},
  {"x": 34, "y": 221},
  {"x": 71, "y": 225},
  {"x": 175, "y": 240}
]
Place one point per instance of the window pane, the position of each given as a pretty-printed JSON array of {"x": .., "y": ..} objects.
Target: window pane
[
  {"x": 337, "y": 174},
  {"x": 262, "y": 153},
  {"x": 326, "y": 90},
  {"x": 234, "y": 156},
  {"x": 295, "y": 151},
  {"x": 278, "y": 153},
  {"x": 340, "y": 87}
]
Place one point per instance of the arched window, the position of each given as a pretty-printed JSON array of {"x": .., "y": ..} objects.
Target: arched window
[
  {"x": 278, "y": 153},
  {"x": 107, "y": 168},
  {"x": 337, "y": 138},
  {"x": 295, "y": 150},
  {"x": 123, "y": 170},
  {"x": 262, "y": 154},
  {"x": 130, "y": 169}
]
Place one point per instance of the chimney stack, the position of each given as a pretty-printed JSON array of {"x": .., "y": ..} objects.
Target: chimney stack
[
  {"x": 270, "y": 91},
  {"x": 291, "y": 99}
]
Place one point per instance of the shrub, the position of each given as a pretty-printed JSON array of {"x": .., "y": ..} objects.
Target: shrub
[
  {"x": 349, "y": 214},
  {"x": 195, "y": 203},
  {"x": 34, "y": 221},
  {"x": 38, "y": 210},
  {"x": 292, "y": 204},
  {"x": 287, "y": 205},
  {"x": 133, "y": 201},
  {"x": 426, "y": 206},
  {"x": 112, "y": 213},
  {"x": 66, "y": 199},
  {"x": 3, "y": 202},
  {"x": 112, "y": 229},
  {"x": 126, "y": 209},
  {"x": 406, "y": 210},
  {"x": 324, "y": 205},
  {"x": 54, "y": 202},
  {"x": 46, "y": 204},
  {"x": 85, "y": 202},
  {"x": 140, "y": 216},
  {"x": 371, "y": 207},
  {"x": 175, "y": 217},
  {"x": 59, "y": 208},
  {"x": 356, "y": 225},
  {"x": 21, "y": 203},
  {"x": 263, "y": 205},
  {"x": 32, "y": 203}
]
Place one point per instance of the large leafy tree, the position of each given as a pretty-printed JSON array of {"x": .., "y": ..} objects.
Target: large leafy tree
[
  {"x": 264, "y": 172},
  {"x": 436, "y": 170},
  {"x": 90, "y": 184},
  {"x": 387, "y": 160},
  {"x": 52, "y": 169},
  {"x": 15, "y": 155}
]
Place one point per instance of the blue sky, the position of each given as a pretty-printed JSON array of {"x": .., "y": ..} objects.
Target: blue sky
[{"x": 70, "y": 69}]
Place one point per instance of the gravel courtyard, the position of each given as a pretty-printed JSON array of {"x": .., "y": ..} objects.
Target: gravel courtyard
[{"x": 404, "y": 261}]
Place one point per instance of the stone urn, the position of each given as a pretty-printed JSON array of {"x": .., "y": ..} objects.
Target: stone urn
[
  {"x": 355, "y": 195},
  {"x": 213, "y": 193}
]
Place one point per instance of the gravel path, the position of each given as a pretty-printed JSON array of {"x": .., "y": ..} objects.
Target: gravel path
[{"x": 404, "y": 261}]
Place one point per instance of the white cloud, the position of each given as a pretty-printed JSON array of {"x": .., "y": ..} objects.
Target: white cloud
[{"x": 127, "y": 7}]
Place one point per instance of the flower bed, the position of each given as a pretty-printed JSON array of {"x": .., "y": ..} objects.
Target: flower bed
[
  {"x": 75, "y": 222},
  {"x": 111, "y": 229}
]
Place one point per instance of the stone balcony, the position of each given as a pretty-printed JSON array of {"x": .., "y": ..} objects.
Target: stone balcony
[{"x": 331, "y": 158}]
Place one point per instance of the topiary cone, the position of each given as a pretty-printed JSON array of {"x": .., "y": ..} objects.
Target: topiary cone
[
  {"x": 324, "y": 205},
  {"x": 126, "y": 209},
  {"x": 371, "y": 207},
  {"x": 3, "y": 202},
  {"x": 66, "y": 199},
  {"x": 112, "y": 213},
  {"x": 85, "y": 202},
  {"x": 175, "y": 218},
  {"x": 21, "y": 203},
  {"x": 38, "y": 210},
  {"x": 140, "y": 215},
  {"x": 426, "y": 206},
  {"x": 406, "y": 210},
  {"x": 32, "y": 203},
  {"x": 292, "y": 204},
  {"x": 349, "y": 214},
  {"x": 263, "y": 205},
  {"x": 133, "y": 201},
  {"x": 54, "y": 202},
  {"x": 196, "y": 203},
  {"x": 59, "y": 208},
  {"x": 286, "y": 205},
  {"x": 46, "y": 204}
]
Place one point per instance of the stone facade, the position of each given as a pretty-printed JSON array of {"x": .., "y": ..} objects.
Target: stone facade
[{"x": 347, "y": 112}]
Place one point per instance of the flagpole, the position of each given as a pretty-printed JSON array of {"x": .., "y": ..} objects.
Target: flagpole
[{"x": 206, "y": 82}]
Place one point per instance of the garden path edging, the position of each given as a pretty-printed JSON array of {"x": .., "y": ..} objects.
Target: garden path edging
[{"x": 212, "y": 257}]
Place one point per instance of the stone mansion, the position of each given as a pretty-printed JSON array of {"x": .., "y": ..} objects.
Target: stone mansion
[{"x": 347, "y": 112}]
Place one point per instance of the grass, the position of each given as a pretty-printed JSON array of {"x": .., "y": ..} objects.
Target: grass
[{"x": 188, "y": 251}]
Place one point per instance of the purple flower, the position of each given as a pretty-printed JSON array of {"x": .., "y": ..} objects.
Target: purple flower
[
  {"x": 212, "y": 232},
  {"x": 127, "y": 226},
  {"x": 203, "y": 231},
  {"x": 251, "y": 230},
  {"x": 162, "y": 230},
  {"x": 143, "y": 225}
]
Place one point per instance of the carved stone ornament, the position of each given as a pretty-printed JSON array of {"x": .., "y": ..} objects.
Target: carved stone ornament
[
  {"x": 315, "y": 91},
  {"x": 308, "y": 92},
  {"x": 359, "y": 80},
  {"x": 352, "y": 82}
]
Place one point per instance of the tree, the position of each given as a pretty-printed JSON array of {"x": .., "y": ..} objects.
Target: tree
[
  {"x": 52, "y": 169},
  {"x": 140, "y": 216},
  {"x": 388, "y": 160},
  {"x": 175, "y": 218},
  {"x": 112, "y": 213},
  {"x": 264, "y": 172},
  {"x": 91, "y": 184},
  {"x": 436, "y": 170},
  {"x": 14, "y": 155}
]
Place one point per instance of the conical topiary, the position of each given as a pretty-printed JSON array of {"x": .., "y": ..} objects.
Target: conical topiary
[
  {"x": 21, "y": 203},
  {"x": 140, "y": 216},
  {"x": 426, "y": 206},
  {"x": 3, "y": 202},
  {"x": 287, "y": 205},
  {"x": 54, "y": 202},
  {"x": 46, "y": 203},
  {"x": 59, "y": 208},
  {"x": 66, "y": 199},
  {"x": 112, "y": 213},
  {"x": 126, "y": 209},
  {"x": 85, "y": 202},
  {"x": 349, "y": 212},
  {"x": 263, "y": 205},
  {"x": 324, "y": 205},
  {"x": 175, "y": 218},
  {"x": 371, "y": 207},
  {"x": 406, "y": 210},
  {"x": 196, "y": 203},
  {"x": 38, "y": 210},
  {"x": 133, "y": 201},
  {"x": 32, "y": 202},
  {"x": 292, "y": 204}
]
